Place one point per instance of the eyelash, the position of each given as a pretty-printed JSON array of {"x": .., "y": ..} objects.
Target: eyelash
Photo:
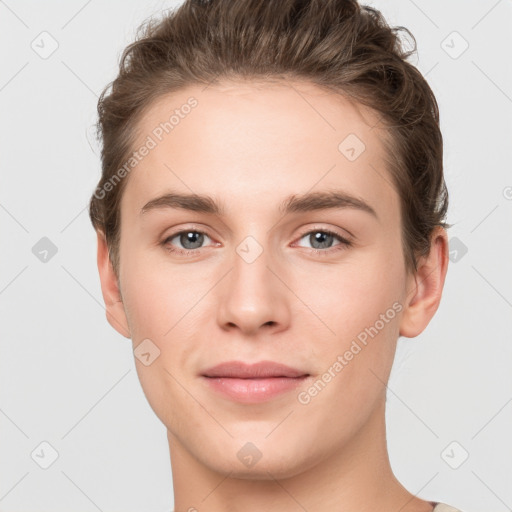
[{"x": 345, "y": 243}]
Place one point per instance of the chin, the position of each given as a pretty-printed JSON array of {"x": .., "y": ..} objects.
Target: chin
[
  {"x": 268, "y": 469},
  {"x": 254, "y": 458}
]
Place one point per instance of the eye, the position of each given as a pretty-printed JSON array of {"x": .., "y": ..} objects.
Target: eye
[
  {"x": 190, "y": 240},
  {"x": 322, "y": 240}
]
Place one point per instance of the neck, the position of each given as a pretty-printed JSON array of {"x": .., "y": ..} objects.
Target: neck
[{"x": 355, "y": 476}]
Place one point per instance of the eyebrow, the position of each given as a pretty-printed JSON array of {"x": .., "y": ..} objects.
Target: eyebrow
[{"x": 312, "y": 201}]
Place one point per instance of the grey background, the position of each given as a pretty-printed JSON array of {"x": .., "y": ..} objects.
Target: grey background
[{"x": 68, "y": 379}]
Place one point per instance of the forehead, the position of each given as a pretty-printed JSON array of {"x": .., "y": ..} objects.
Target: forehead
[{"x": 235, "y": 138}]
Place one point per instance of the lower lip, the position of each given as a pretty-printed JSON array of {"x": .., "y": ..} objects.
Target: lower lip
[{"x": 253, "y": 390}]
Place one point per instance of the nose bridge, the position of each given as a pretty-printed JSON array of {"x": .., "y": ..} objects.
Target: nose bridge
[
  {"x": 252, "y": 261},
  {"x": 252, "y": 296},
  {"x": 251, "y": 279}
]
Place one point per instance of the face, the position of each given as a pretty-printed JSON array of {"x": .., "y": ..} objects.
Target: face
[{"x": 259, "y": 272}]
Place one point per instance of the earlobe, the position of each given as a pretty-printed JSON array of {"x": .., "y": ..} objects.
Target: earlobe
[
  {"x": 114, "y": 307},
  {"x": 426, "y": 287}
]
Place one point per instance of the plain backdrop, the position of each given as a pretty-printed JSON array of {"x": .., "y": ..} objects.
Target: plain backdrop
[{"x": 68, "y": 380}]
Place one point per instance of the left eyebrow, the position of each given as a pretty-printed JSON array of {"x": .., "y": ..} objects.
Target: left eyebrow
[
  {"x": 312, "y": 201},
  {"x": 192, "y": 202}
]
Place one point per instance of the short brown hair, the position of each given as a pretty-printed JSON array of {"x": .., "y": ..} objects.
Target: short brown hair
[{"x": 336, "y": 44}]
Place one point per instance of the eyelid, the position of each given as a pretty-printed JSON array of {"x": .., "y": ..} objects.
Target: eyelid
[
  {"x": 188, "y": 229},
  {"x": 345, "y": 241},
  {"x": 303, "y": 233},
  {"x": 195, "y": 228},
  {"x": 349, "y": 238}
]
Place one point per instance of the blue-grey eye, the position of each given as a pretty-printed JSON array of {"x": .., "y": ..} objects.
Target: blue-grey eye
[
  {"x": 191, "y": 239},
  {"x": 322, "y": 239}
]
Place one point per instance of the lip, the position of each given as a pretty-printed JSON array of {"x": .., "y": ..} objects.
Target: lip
[
  {"x": 253, "y": 383},
  {"x": 260, "y": 370}
]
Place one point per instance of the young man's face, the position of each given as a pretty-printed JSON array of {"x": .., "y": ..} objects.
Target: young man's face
[{"x": 253, "y": 288}]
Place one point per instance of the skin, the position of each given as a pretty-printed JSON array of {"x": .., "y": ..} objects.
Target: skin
[{"x": 250, "y": 146}]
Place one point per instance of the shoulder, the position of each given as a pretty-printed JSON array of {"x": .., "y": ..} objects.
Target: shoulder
[{"x": 441, "y": 507}]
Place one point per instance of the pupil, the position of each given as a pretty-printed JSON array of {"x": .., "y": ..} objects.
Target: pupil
[{"x": 321, "y": 238}]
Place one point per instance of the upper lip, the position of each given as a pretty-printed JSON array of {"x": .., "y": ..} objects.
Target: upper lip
[{"x": 262, "y": 369}]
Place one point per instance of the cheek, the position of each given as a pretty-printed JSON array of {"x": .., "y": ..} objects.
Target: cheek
[
  {"x": 159, "y": 303},
  {"x": 362, "y": 311},
  {"x": 351, "y": 296},
  {"x": 338, "y": 300},
  {"x": 157, "y": 295},
  {"x": 360, "y": 308}
]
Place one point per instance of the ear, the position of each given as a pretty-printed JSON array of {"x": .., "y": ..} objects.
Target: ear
[
  {"x": 116, "y": 315},
  {"x": 425, "y": 286}
]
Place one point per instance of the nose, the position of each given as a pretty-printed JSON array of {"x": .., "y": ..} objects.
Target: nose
[{"x": 253, "y": 297}]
